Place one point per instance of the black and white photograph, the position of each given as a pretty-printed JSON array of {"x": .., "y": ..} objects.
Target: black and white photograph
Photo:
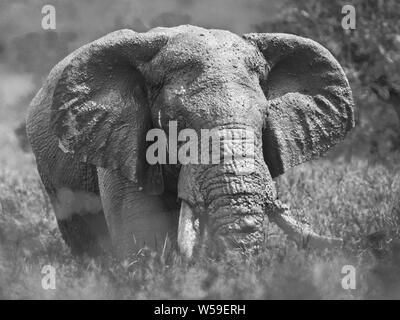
[{"x": 217, "y": 152}]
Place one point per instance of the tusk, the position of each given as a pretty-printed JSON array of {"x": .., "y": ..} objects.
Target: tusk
[
  {"x": 301, "y": 233},
  {"x": 187, "y": 230}
]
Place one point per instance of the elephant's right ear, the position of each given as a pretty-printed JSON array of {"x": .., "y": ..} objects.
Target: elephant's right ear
[{"x": 100, "y": 109}]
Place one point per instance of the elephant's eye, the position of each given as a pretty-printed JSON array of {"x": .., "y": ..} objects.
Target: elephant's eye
[{"x": 155, "y": 89}]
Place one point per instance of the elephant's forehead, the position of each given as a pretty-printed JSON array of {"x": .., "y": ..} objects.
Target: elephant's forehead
[{"x": 204, "y": 47}]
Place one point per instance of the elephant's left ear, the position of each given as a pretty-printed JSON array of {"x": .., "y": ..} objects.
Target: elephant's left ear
[
  {"x": 310, "y": 104},
  {"x": 99, "y": 108}
]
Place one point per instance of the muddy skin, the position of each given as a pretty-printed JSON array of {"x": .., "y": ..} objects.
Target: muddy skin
[{"x": 87, "y": 127}]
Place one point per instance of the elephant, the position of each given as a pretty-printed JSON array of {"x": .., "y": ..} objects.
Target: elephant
[{"x": 88, "y": 124}]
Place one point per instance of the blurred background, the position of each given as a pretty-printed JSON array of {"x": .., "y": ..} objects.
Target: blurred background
[
  {"x": 370, "y": 54},
  {"x": 351, "y": 193}
]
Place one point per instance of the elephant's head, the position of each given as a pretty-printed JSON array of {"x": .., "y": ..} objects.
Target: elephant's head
[{"x": 289, "y": 92}]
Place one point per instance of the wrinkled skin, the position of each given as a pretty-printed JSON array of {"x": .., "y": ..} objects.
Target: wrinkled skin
[{"x": 87, "y": 128}]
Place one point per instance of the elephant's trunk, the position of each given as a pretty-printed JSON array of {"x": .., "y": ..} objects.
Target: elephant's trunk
[
  {"x": 236, "y": 208},
  {"x": 232, "y": 210}
]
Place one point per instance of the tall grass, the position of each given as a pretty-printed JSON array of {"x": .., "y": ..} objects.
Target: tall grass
[{"x": 355, "y": 200}]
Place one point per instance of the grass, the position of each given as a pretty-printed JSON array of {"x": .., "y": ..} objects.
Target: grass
[{"x": 356, "y": 199}]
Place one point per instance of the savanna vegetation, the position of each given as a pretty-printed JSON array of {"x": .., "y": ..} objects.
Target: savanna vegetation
[{"x": 353, "y": 193}]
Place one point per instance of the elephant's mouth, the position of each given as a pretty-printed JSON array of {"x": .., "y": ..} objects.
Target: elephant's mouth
[{"x": 189, "y": 235}]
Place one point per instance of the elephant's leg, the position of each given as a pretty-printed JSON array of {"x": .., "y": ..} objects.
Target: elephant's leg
[
  {"x": 85, "y": 233},
  {"x": 76, "y": 201},
  {"x": 135, "y": 220}
]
